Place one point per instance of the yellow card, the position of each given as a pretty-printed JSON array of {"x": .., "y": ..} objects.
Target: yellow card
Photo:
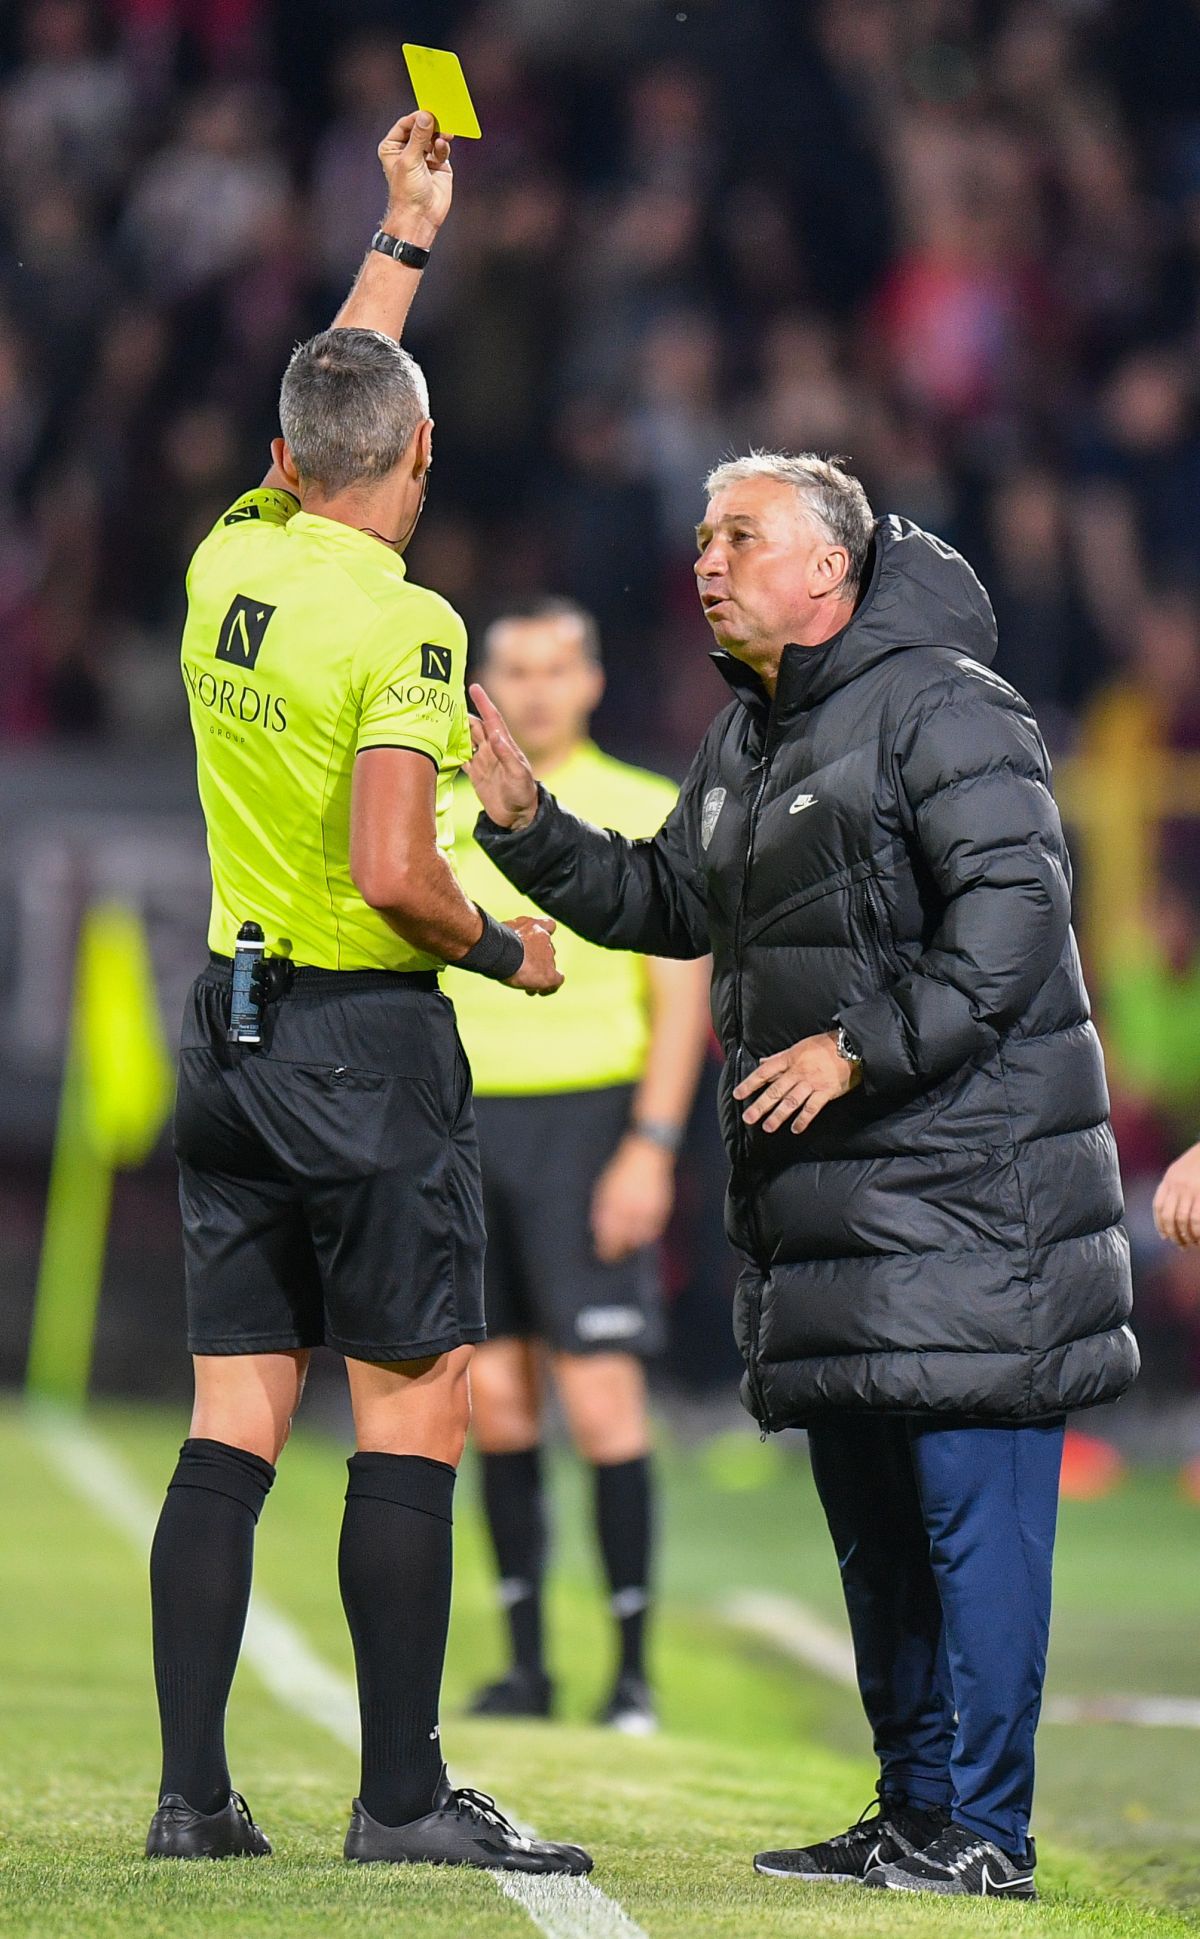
[{"x": 441, "y": 89}]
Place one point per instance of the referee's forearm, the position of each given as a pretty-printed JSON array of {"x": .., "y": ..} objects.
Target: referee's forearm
[
  {"x": 429, "y": 910},
  {"x": 383, "y": 290}
]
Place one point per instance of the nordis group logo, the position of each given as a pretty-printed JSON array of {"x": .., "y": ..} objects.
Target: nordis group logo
[
  {"x": 429, "y": 691},
  {"x": 427, "y": 700},
  {"x": 239, "y": 644},
  {"x": 236, "y": 701}
]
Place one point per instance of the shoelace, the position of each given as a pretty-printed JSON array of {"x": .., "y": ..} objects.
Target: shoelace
[
  {"x": 949, "y": 1854},
  {"x": 869, "y": 1819},
  {"x": 477, "y": 1804},
  {"x": 239, "y": 1804}
]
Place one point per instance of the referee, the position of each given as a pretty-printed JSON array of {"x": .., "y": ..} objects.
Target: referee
[
  {"x": 329, "y": 1176},
  {"x": 581, "y": 1109}
]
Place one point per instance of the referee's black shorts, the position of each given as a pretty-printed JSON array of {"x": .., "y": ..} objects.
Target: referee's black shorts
[
  {"x": 541, "y": 1158},
  {"x": 329, "y": 1178}
]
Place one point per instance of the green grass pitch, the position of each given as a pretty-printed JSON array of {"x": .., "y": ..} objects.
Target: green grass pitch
[{"x": 756, "y": 1751}]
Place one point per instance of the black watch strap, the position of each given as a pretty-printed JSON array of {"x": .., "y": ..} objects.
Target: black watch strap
[{"x": 402, "y": 252}]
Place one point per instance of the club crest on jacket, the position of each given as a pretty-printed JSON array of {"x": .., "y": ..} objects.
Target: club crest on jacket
[{"x": 710, "y": 814}]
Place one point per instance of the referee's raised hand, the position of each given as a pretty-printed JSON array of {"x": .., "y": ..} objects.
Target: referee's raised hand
[
  {"x": 500, "y": 774},
  {"x": 416, "y": 162}
]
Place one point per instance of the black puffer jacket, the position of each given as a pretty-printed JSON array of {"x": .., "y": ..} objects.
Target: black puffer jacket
[{"x": 880, "y": 846}]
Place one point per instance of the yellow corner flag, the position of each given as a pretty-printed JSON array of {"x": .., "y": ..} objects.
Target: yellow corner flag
[
  {"x": 115, "y": 1098},
  {"x": 117, "y": 1028}
]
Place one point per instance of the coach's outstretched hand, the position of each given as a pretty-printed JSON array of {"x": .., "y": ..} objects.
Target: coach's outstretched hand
[
  {"x": 539, "y": 974},
  {"x": 416, "y": 162},
  {"x": 500, "y": 774}
]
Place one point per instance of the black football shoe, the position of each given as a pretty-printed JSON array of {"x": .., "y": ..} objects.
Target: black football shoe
[
  {"x": 889, "y": 1830},
  {"x": 630, "y": 1709},
  {"x": 464, "y": 1828},
  {"x": 176, "y": 1831},
  {"x": 520, "y": 1693},
  {"x": 960, "y": 1864}
]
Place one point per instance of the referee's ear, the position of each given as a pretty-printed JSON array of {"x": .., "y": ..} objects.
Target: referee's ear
[
  {"x": 423, "y": 447},
  {"x": 284, "y": 464}
]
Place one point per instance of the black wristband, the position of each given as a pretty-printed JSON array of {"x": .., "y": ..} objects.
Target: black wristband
[
  {"x": 499, "y": 953},
  {"x": 659, "y": 1131},
  {"x": 402, "y": 252}
]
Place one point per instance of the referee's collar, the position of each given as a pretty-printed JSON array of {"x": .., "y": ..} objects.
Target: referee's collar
[{"x": 333, "y": 532}]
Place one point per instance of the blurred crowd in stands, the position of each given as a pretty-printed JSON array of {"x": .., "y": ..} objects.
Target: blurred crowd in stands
[{"x": 958, "y": 242}]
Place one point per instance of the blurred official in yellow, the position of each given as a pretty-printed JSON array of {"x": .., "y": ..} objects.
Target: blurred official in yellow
[{"x": 581, "y": 1106}]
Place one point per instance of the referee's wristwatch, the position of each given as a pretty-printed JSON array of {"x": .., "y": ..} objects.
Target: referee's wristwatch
[{"x": 399, "y": 250}]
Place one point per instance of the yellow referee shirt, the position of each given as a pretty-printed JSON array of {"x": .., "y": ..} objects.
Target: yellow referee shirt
[
  {"x": 304, "y": 644},
  {"x": 596, "y": 1028}
]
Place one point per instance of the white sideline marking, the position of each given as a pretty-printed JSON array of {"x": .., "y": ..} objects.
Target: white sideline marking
[
  {"x": 568, "y": 1908},
  {"x": 1181, "y": 1713},
  {"x": 561, "y": 1908},
  {"x": 797, "y": 1631},
  {"x": 809, "y": 1639}
]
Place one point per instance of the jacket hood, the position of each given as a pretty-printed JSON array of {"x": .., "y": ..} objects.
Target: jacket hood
[{"x": 920, "y": 592}]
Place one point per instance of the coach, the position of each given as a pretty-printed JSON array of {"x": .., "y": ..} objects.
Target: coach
[{"x": 924, "y": 1182}]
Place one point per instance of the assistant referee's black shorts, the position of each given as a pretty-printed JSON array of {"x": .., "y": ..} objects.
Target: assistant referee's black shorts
[
  {"x": 541, "y": 1159},
  {"x": 329, "y": 1178}
]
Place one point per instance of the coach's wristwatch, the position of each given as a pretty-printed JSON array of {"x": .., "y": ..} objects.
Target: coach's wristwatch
[
  {"x": 847, "y": 1049},
  {"x": 402, "y": 252}
]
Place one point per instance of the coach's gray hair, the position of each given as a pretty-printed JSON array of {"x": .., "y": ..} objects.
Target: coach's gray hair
[
  {"x": 830, "y": 493},
  {"x": 349, "y": 405}
]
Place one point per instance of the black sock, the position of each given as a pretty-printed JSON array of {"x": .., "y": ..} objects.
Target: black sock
[
  {"x": 200, "y": 1567},
  {"x": 623, "y": 1523},
  {"x": 394, "y": 1566},
  {"x": 515, "y": 1506}
]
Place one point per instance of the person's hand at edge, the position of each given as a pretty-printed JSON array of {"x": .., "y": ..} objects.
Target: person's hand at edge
[{"x": 1177, "y": 1200}]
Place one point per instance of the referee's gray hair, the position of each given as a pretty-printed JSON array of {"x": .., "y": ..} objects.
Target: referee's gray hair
[
  {"x": 349, "y": 404},
  {"x": 833, "y": 495}
]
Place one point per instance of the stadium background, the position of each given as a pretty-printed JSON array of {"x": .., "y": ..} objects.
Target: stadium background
[{"x": 958, "y": 242}]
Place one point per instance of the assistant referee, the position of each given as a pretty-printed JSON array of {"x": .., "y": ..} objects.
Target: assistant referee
[
  {"x": 581, "y": 1109},
  {"x": 329, "y": 1175}
]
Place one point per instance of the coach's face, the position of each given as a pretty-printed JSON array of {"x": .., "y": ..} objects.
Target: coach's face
[
  {"x": 766, "y": 570},
  {"x": 540, "y": 676}
]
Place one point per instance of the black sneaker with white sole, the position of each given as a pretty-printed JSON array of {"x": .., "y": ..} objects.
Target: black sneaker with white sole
[
  {"x": 630, "y": 1708},
  {"x": 889, "y": 1829},
  {"x": 519, "y": 1693},
  {"x": 464, "y": 1828},
  {"x": 176, "y": 1831},
  {"x": 960, "y": 1864}
]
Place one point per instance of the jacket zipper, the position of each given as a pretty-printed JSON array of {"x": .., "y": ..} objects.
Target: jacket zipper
[
  {"x": 764, "y": 769},
  {"x": 873, "y": 927}
]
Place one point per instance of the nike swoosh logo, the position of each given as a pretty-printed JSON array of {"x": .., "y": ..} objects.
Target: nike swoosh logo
[
  {"x": 876, "y": 1858},
  {"x": 990, "y": 1887},
  {"x": 802, "y": 802}
]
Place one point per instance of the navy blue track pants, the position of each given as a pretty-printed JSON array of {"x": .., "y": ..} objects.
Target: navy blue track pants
[{"x": 945, "y": 1540}]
